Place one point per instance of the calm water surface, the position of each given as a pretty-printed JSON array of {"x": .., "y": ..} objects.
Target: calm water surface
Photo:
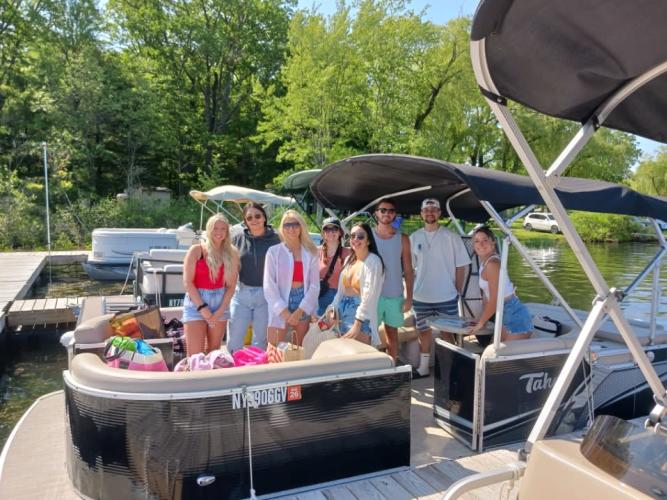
[{"x": 33, "y": 361}]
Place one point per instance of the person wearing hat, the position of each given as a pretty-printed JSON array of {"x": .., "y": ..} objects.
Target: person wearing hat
[
  {"x": 332, "y": 255},
  {"x": 439, "y": 259}
]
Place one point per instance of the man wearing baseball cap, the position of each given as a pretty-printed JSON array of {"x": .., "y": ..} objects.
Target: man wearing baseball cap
[{"x": 439, "y": 259}]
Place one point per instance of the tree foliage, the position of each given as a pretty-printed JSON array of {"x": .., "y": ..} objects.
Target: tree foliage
[{"x": 192, "y": 94}]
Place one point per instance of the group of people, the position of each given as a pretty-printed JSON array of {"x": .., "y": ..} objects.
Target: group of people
[{"x": 277, "y": 281}]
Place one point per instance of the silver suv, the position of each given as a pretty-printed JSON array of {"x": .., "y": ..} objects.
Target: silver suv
[{"x": 541, "y": 222}]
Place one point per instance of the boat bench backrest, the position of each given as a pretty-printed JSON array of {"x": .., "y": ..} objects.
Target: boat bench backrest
[
  {"x": 333, "y": 357},
  {"x": 98, "y": 329}
]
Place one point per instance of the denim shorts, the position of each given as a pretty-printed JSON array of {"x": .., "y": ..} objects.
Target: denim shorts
[
  {"x": 516, "y": 318},
  {"x": 212, "y": 297},
  {"x": 347, "y": 311},
  {"x": 296, "y": 295},
  {"x": 425, "y": 309}
]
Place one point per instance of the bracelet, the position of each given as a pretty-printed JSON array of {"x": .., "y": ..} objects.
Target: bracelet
[{"x": 202, "y": 306}]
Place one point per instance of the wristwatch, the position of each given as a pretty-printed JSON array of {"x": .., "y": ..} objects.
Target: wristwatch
[{"x": 202, "y": 306}]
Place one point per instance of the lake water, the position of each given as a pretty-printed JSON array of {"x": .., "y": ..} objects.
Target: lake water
[{"x": 34, "y": 361}]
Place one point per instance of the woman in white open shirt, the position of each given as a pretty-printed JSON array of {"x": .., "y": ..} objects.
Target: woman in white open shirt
[
  {"x": 291, "y": 280},
  {"x": 359, "y": 288}
]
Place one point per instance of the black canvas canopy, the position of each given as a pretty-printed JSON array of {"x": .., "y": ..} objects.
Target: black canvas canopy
[
  {"x": 352, "y": 183},
  {"x": 564, "y": 58}
]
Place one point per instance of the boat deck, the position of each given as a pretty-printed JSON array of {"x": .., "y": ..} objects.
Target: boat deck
[{"x": 33, "y": 465}]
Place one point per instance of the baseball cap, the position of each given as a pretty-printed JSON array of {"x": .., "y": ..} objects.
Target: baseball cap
[
  {"x": 430, "y": 202},
  {"x": 331, "y": 221}
]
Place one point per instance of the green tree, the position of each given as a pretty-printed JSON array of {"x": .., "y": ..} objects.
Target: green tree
[{"x": 651, "y": 174}]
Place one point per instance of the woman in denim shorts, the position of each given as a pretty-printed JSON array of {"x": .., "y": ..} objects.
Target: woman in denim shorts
[
  {"x": 210, "y": 271},
  {"x": 291, "y": 280},
  {"x": 517, "y": 323},
  {"x": 359, "y": 288}
]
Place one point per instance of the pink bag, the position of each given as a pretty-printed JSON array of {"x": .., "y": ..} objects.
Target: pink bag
[
  {"x": 215, "y": 359},
  {"x": 250, "y": 355}
]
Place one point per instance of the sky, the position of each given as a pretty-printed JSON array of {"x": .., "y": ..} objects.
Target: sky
[{"x": 441, "y": 11}]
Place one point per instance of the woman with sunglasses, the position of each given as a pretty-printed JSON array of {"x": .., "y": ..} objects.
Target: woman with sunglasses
[
  {"x": 248, "y": 304},
  {"x": 210, "y": 271},
  {"x": 517, "y": 323},
  {"x": 359, "y": 288},
  {"x": 332, "y": 254},
  {"x": 291, "y": 280}
]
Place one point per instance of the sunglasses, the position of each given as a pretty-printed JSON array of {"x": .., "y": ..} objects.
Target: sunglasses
[
  {"x": 291, "y": 225},
  {"x": 386, "y": 210},
  {"x": 358, "y": 236},
  {"x": 331, "y": 229},
  {"x": 250, "y": 217}
]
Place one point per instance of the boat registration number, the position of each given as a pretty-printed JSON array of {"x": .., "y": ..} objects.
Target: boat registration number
[{"x": 265, "y": 397}]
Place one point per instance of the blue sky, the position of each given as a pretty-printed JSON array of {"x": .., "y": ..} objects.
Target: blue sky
[{"x": 441, "y": 11}]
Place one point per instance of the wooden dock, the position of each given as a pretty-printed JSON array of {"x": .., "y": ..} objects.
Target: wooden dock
[
  {"x": 59, "y": 312},
  {"x": 19, "y": 272}
]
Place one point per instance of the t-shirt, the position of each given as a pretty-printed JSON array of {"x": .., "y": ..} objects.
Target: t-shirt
[{"x": 435, "y": 257}]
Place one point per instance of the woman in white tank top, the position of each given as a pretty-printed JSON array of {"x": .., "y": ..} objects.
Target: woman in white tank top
[{"x": 517, "y": 323}]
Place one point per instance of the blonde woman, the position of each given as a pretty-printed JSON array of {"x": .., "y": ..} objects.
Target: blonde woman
[
  {"x": 291, "y": 279},
  {"x": 210, "y": 272}
]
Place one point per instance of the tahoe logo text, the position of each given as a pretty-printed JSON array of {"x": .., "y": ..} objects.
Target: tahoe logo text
[{"x": 539, "y": 381}]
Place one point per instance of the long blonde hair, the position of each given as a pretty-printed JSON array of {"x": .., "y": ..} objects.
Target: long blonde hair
[
  {"x": 226, "y": 255},
  {"x": 304, "y": 236}
]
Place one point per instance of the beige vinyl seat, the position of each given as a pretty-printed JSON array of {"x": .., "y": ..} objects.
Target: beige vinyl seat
[
  {"x": 557, "y": 470},
  {"x": 332, "y": 357}
]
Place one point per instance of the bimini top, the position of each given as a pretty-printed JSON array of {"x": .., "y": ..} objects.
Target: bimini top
[
  {"x": 564, "y": 58},
  {"x": 240, "y": 194},
  {"x": 300, "y": 181},
  {"x": 352, "y": 183}
]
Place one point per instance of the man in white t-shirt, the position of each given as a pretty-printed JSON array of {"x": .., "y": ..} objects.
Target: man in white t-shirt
[{"x": 439, "y": 259}]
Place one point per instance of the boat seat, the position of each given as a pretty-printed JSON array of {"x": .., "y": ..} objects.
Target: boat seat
[
  {"x": 98, "y": 329},
  {"x": 533, "y": 345},
  {"x": 153, "y": 270},
  {"x": 552, "y": 460},
  {"x": 332, "y": 357},
  {"x": 608, "y": 330}
]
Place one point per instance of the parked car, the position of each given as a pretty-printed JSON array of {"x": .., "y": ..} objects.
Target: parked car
[{"x": 541, "y": 222}]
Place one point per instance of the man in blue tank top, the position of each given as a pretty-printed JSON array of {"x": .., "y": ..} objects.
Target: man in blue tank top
[{"x": 394, "y": 248}]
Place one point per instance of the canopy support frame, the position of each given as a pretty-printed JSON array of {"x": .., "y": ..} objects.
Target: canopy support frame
[{"x": 607, "y": 299}]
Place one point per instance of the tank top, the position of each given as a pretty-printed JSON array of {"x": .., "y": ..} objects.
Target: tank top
[
  {"x": 484, "y": 284},
  {"x": 203, "y": 276},
  {"x": 390, "y": 250},
  {"x": 297, "y": 275}
]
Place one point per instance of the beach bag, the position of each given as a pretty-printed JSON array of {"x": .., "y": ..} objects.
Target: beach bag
[
  {"x": 134, "y": 354},
  {"x": 216, "y": 359},
  {"x": 250, "y": 355},
  {"x": 145, "y": 323},
  {"x": 318, "y": 332}
]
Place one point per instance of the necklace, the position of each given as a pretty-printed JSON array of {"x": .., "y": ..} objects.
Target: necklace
[{"x": 431, "y": 238}]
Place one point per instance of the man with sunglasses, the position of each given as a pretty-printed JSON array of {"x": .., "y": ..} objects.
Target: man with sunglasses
[
  {"x": 440, "y": 260},
  {"x": 394, "y": 248}
]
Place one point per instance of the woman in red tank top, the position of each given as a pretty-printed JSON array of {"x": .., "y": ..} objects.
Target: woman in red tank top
[{"x": 210, "y": 271}]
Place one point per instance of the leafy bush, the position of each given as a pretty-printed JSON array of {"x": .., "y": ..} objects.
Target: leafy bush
[
  {"x": 75, "y": 223},
  {"x": 605, "y": 227}
]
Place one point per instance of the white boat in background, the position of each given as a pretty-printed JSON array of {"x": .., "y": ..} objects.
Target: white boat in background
[{"x": 114, "y": 248}]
